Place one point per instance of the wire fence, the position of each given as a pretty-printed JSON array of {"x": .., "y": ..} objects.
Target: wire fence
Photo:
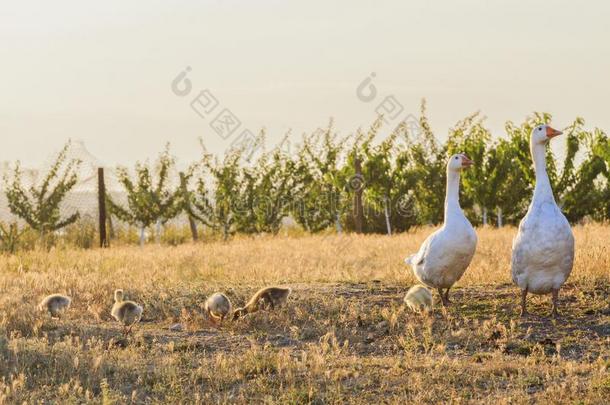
[
  {"x": 84, "y": 198},
  {"x": 95, "y": 183}
]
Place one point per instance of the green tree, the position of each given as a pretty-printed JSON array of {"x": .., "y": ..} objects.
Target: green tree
[
  {"x": 380, "y": 180},
  {"x": 9, "y": 237},
  {"x": 269, "y": 186},
  {"x": 513, "y": 194},
  {"x": 39, "y": 206},
  {"x": 319, "y": 193},
  {"x": 220, "y": 209},
  {"x": 426, "y": 161},
  {"x": 589, "y": 194},
  {"x": 483, "y": 181},
  {"x": 150, "y": 200}
]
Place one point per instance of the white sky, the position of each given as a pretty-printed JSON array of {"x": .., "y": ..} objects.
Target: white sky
[{"x": 101, "y": 71}]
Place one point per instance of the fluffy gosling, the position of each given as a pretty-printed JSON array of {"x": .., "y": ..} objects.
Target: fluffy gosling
[
  {"x": 419, "y": 298},
  {"x": 55, "y": 305},
  {"x": 218, "y": 307},
  {"x": 269, "y": 297},
  {"x": 126, "y": 312}
]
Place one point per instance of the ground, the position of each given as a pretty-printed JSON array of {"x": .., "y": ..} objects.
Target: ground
[{"x": 345, "y": 335}]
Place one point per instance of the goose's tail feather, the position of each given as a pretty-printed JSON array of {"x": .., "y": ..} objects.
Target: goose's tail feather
[{"x": 410, "y": 260}]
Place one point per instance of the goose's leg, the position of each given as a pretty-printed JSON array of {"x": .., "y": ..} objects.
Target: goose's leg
[
  {"x": 443, "y": 298},
  {"x": 523, "y": 299},
  {"x": 555, "y": 314},
  {"x": 447, "y": 295}
]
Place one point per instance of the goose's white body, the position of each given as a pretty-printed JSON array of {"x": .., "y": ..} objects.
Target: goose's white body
[
  {"x": 543, "y": 250},
  {"x": 444, "y": 256}
]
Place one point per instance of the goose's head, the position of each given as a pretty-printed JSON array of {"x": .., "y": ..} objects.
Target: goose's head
[
  {"x": 542, "y": 133},
  {"x": 458, "y": 162},
  {"x": 118, "y": 295}
]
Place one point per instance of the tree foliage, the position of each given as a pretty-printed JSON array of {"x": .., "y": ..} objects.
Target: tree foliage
[
  {"x": 39, "y": 205},
  {"x": 151, "y": 197},
  {"x": 400, "y": 180},
  {"x": 374, "y": 181},
  {"x": 320, "y": 184}
]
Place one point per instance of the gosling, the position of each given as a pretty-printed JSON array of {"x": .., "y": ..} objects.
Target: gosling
[
  {"x": 419, "y": 298},
  {"x": 55, "y": 305},
  {"x": 269, "y": 297},
  {"x": 218, "y": 307},
  {"x": 126, "y": 312}
]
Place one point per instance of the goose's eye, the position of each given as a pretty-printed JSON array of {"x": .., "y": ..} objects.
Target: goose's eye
[{"x": 456, "y": 158}]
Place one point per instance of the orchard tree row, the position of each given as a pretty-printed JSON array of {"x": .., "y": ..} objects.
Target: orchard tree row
[{"x": 362, "y": 182}]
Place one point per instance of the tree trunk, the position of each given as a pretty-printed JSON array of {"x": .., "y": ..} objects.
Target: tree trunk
[
  {"x": 185, "y": 195},
  {"x": 193, "y": 226},
  {"x": 142, "y": 236},
  {"x": 358, "y": 208},
  {"x": 102, "y": 208},
  {"x": 386, "y": 208},
  {"x": 43, "y": 240},
  {"x": 499, "y": 216},
  {"x": 484, "y": 216},
  {"x": 111, "y": 227},
  {"x": 338, "y": 224},
  {"x": 158, "y": 232}
]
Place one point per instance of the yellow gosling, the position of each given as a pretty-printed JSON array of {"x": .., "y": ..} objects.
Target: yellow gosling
[
  {"x": 266, "y": 298},
  {"x": 55, "y": 304},
  {"x": 127, "y": 313},
  {"x": 419, "y": 298}
]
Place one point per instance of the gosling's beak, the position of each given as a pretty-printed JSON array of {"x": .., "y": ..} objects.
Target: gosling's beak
[
  {"x": 466, "y": 162},
  {"x": 551, "y": 133}
]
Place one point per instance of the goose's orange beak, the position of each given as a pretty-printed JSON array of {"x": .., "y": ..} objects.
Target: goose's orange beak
[
  {"x": 551, "y": 133},
  {"x": 466, "y": 162}
]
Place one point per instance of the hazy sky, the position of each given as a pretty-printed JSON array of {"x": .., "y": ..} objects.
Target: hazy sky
[{"x": 102, "y": 71}]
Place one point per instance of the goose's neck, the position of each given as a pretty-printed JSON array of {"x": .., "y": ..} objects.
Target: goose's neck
[
  {"x": 543, "y": 190},
  {"x": 452, "y": 197}
]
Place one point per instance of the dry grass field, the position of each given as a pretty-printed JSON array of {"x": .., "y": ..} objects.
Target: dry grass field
[{"x": 345, "y": 335}]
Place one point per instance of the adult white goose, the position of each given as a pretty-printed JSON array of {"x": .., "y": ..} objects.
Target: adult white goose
[
  {"x": 543, "y": 250},
  {"x": 444, "y": 256}
]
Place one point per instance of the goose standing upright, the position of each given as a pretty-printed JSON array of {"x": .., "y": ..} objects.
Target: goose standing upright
[
  {"x": 543, "y": 250},
  {"x": 444, "y": 256}
]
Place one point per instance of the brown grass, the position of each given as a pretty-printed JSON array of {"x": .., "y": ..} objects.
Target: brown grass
[{"x": 345, "y": 335}]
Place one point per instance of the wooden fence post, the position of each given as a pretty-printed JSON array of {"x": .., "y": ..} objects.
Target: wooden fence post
[
  {"x": 101, "y": 192},
  {"x": 358, "y": 207},
  {"x": 192, "y": 223}
]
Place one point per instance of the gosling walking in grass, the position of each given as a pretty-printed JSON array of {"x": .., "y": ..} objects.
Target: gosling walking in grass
[
  {"x": 266, "y": 298},
  {"x": 419, "y": 298},
  {"x": 127, "y": 313},
  {"x": 55, "y": 305},
  {"x": 218, "y": 307}
]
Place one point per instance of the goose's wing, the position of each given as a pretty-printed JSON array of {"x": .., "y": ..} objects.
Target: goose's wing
[
  {"x": 519, "y": 250},
  {"x": 419, "y": 258}
]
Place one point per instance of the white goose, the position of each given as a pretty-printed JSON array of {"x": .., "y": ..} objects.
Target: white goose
[
  {"x": 445, "y": 254},
  {"x": 543, "y": 250}
]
